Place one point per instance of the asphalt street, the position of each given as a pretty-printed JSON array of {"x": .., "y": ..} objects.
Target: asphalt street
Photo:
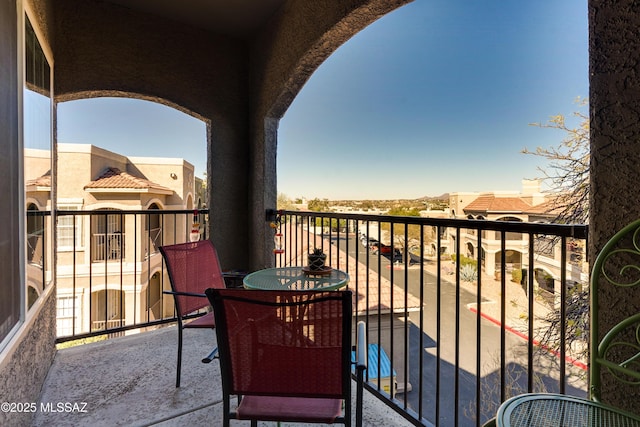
[{"x": 452, "y": 381}]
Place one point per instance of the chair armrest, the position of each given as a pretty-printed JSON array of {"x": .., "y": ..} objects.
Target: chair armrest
[
  {"x": 361, "y": 365},
  {"x": 185, "y": 294},
  {"x": 361, "y": 346}
]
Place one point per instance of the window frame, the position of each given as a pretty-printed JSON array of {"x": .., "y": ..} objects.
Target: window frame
[{"x": 78, "y": 225}]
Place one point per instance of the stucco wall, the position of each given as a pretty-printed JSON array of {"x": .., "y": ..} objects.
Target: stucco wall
[
  {"x": 108, "y": 50},
  {"x": 283, "y": 57},
  {"x": 241, "y": 92},
  {"x": 298, "y": 39},
  {"x": 614, "y": 54},
  {"x": 24, "y": 371}
]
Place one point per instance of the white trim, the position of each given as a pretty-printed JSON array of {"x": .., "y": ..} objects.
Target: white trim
[
  {"x": 34, "y": 201},
  {"x": 157, "y": 202},
  {"x": 22, "y": 227},
  {"x": 77, "y": 202},
  {"x": 130, "y": 191}
]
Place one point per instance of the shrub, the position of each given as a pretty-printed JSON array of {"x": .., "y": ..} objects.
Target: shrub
[
  {"x": 516, "y": 275},
  {"x": 468, "y": 273},
  {"x": 464, "y": 260}
]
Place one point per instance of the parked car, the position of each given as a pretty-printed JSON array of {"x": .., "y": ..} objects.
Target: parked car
[
  {"x": 380, "y": 247},
  {"x": 367, "y": 241},
  {"x": 385, "y": 250}
]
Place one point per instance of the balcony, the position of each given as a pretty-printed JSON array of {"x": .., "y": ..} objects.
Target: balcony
[
  {"x": 462, "y": 326},
  {"x": 131, "y": 381},
  {"x": 285, "y": 54}
]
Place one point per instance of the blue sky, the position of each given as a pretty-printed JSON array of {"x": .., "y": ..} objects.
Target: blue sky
[{"x": 435, "y": 97}]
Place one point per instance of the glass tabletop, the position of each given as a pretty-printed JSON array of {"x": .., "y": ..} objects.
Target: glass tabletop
[
  {"x": 295, "y": 279},
  {"x": 549, "y": 409}
]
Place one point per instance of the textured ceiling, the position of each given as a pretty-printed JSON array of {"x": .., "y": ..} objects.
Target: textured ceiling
[{"x": 239, "y": 18}]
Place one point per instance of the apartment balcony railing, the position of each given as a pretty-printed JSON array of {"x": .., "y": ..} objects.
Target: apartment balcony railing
[
  {"x": 464, "y": 326},
  {"x": 107, "y": 246},
  {"x": 110, "y": 274},
  {"x": 452, "y": 339}
]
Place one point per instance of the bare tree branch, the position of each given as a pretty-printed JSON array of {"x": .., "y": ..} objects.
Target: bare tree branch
[{"x": 567, "y": 173}]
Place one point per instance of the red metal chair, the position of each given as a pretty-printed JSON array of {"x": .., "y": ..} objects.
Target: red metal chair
[
  {"x": 287, "y": 355},
  {"x": 192, "y": 268}
]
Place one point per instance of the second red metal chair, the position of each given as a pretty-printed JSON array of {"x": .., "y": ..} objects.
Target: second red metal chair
[{"x": 192, "y": 268}]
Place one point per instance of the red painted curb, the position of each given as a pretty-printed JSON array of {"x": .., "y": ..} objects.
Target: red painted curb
[{"x": 571, "y": 360}]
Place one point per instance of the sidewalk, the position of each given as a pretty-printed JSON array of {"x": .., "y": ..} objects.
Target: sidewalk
[
  {"x": 516, "y": 300},
  {"x": 516, "y": 307}
]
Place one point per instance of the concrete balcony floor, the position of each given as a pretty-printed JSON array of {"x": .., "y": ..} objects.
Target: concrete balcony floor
[{"x": 130, "y": 381}]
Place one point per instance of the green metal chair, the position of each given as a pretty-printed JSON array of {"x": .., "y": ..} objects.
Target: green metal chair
[
  {"x": 617, "y": 353},
  {"x": 614, "y": 354}
]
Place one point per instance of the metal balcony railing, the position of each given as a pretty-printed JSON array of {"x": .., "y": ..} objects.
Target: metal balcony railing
[
  {"x": 460, "y": 322},
  {"x": 107, "y": 246},
  {"x": 110, "y": 275}
]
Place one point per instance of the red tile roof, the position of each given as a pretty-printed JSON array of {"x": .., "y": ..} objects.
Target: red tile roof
[
  {"x": 41, "y": 183},
  {"x": 115, "y": 179},
  {"x": 543, "y": 208},
  {"x": 493, "y": 204}
]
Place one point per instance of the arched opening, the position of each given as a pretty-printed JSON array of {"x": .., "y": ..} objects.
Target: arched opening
[
  {"x": 107, "y": 236},
  {"x": 155, "y": 297},
  {"x": 471, "y": 250},
  {"x": 441, "y": 111},
  {"x": 107, "y": 309},
  {"x": 510, "y": 235},
  {"x": 153, "y": 231},
  {"x": 35, "y": 235},
  {"x": 512, "y": 259},
  {"x": 131, "y": 125}
]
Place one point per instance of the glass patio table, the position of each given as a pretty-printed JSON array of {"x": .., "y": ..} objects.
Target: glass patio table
[
  {"x": 549, "y": 409},
  {"x": 295, "y": 279}
]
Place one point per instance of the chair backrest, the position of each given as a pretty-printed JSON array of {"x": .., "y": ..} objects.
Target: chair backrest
[
  {"x": 284, "y": 343},
  {"x": 192, "y": 267},
  {"x": 615, "y": 353}
]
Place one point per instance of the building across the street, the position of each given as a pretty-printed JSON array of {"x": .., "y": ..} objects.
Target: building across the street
[{"x": 108, "y": 265}]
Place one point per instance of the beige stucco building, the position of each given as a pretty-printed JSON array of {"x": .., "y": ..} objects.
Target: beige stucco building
[
  {"x": 528, "y": 205},
  {"x": 97, "y": 254}
]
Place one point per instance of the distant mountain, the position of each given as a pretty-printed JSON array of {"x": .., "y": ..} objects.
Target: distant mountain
[{"x": 443, "y": 196}]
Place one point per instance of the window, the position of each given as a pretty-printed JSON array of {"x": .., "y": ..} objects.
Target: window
[
  {"x": 37, "y": 143},
  {"x": 37, "y": 134},
  {"x": 35, "y": 236},
  {"x": 70, "y": 228},
  {"x": 66, "y": 307}
]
